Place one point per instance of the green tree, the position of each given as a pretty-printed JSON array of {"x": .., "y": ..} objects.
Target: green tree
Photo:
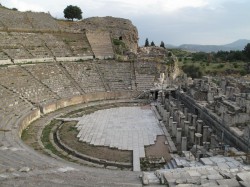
[
  {"x": 246, "y": 51},
  {"x": 72, "y": 12},
  {"x": 162, "y": 44},
  {"x": 152, "y": 43},
  {"x": 146, "y": 43}
]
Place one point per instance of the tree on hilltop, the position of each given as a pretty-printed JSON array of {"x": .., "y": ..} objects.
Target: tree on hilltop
[
  {"x": 152, "y": 43},
  {"x": 162, "y": 44},
  {"x": 146, "y": 43},
  {"x": 72, "y": 12}
]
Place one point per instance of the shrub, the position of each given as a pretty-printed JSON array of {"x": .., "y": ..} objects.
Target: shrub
[
  {"x": 235, "y": 65},
  {"x": 192, "y": 71},
  {"x": 220, "y": 66}
]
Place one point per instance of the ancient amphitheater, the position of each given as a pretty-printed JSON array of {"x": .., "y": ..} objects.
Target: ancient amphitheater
[{"x": 90, "y": 72}]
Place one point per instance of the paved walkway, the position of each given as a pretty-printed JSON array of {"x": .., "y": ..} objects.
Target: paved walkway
[{"x": 125, "y": 128}]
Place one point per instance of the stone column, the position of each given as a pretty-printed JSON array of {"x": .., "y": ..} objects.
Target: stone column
[
  {"x": 170, "y": 124},
  {"x": 163, "y": 98},
  {"x": 191, "y": 134},
  {"x": 183, "y": 143},
  {"x": 178, "y": 135},
  {"x": 182, "y": 108},
  {"x": 186, "y": 127},
  {"x": 194, "y": 120},
  {"x": 162, "y": 110},
  {"x": 186, "y": 113},
  {"x": 174, "y": 128},
  {"x": 182, "y": 122},
  {"x": 213, "y": 141},
  {"x": 167, "y": 104},
  {"x": 198, "y": 138},
  {"x": 175, "y": 114},
  {"x": 167, "y": 117},
  {"x": 199, "y": 126},
  {"x": 205, "y": 133},
  {"x": 190, "y": 117}
]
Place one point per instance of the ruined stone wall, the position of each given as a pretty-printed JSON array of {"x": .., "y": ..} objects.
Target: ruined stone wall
[{"x": 213, "y": 122}]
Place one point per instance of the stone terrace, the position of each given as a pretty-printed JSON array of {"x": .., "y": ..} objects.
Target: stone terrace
[
  {"x": 11, "y": 107},
  {"x": 14, "y": 19},
  {"x": 101, "y": 44},
  {"x": 145, "y": 73},
  {"x": 42, "y": 21},
  {"x": 24, "y": 85},
  {"x": 56, "y": 45},
  {"x": 77, "y": 42},
  {"x": 86, "y": 75},
  {"x": 27, "y": 21},
  {"x": 52, "y": 76},
  {"x": 117, "y": 75}
]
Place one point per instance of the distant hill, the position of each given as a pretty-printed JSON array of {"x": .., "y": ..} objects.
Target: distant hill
[{"x": 237, "y": 45}]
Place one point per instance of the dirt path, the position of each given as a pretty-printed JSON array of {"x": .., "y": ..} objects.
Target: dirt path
[
  {"x": 68, "y": 134},
  {"x": 159, "y": 149}
]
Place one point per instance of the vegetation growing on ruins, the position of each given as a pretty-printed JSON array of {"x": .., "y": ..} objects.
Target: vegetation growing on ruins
[
  {"x": 220, "y": 63},
  {"x": 72, "y": 12},
  {"x": 119, "y": 46}
]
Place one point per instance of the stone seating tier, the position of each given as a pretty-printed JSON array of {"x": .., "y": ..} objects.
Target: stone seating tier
[
  {"x": 11, "y": 107},
  {"x": 86, "y": 75},
  {"x": 52, "y": 76},
  {"x": 101, "y": 44},
  {"x": 24, "y": 85},
  {"x": 77, "y": 42},
  {"x": 146, "y": 67},
  {"x": 144, "y": 81},
  {"x": 14, "y": 19},
  {"x": 28, "y": 21},
  {"x": 117, "y": 75}
]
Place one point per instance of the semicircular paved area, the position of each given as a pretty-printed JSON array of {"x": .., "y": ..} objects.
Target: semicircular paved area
[{"x": 124, "y": 128}]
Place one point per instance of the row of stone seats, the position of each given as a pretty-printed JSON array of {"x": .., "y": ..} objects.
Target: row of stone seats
[
  {"x": 56, "y": 46},
  {"x": 42, "y": 21},
  {"x": 15, "y": 20},
  {"x": 117, "y": 75},
  {"x": 144, "y": 81},
  {"x": 52, "y": 76},
  {"x": 24, "y": 85},
  {"x": 86, "y": 75},
  {"x": 101, "y": 44},
  {"x": 11, "y": 106},
  {"x": 44, "y": 82},
  {"x": 146, "y": 68},
  {"x": 37, "y": 45},
  {"x": 77, "y": 42}
]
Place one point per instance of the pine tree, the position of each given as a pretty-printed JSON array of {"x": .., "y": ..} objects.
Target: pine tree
[
  {"x": 162, "y": 44},
  {"x": 146, "y": 43},
  {"x": 152, "y": 43}
]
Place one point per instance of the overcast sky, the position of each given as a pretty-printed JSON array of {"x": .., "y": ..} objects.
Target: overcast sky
[{"x": 172, "y": 21}]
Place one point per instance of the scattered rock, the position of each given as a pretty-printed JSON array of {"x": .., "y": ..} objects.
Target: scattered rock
[
  {"x": 25, "y": 169},
  {"x": 10, "y": 170}
]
